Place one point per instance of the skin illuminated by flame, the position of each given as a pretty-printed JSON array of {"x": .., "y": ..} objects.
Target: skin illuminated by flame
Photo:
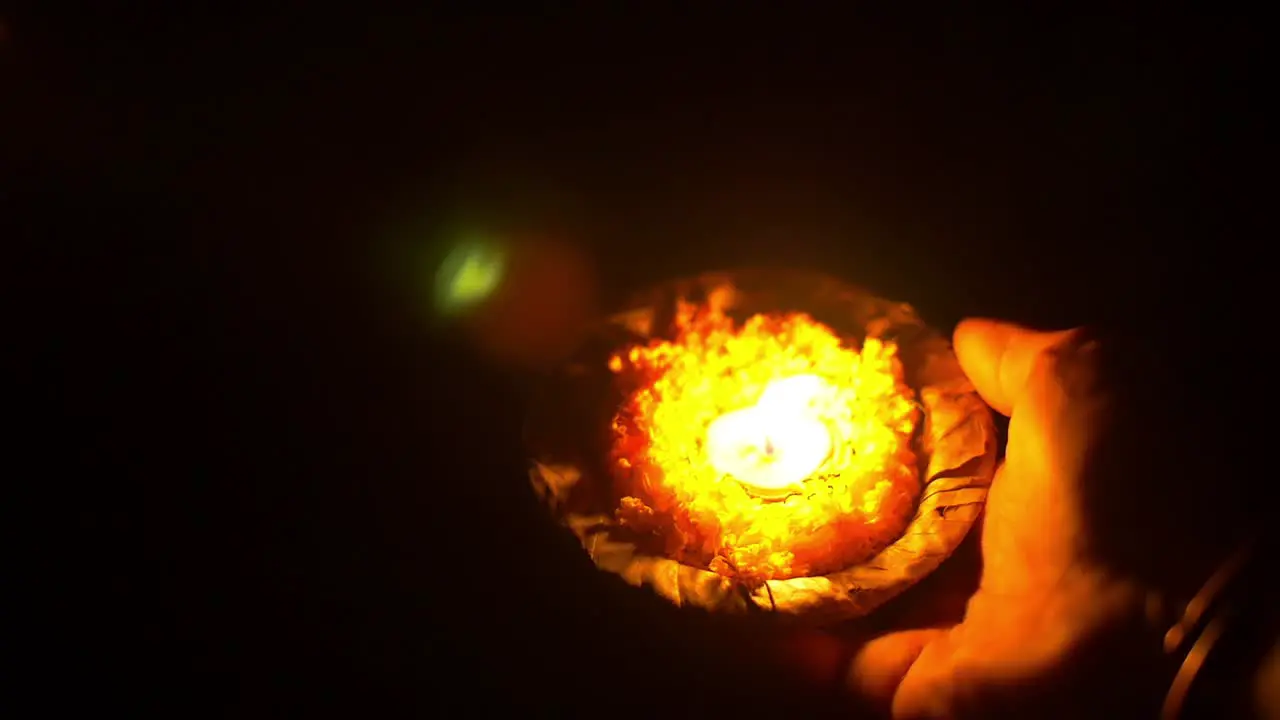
[{"x": 780, "y": 407}]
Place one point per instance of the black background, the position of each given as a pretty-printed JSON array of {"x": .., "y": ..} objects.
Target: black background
[{"x": 301, "y": 498}]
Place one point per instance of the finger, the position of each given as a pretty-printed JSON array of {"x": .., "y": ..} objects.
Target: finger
[
  {"x": 998, "y": 357},
  {"x": 928, "y": 687},
  {"x": 881, "y": 664}
]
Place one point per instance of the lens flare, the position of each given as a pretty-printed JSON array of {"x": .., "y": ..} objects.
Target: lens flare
[{"x": 469, "y": 275}]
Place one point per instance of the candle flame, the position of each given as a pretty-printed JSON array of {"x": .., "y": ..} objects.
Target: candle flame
[
  {"x": 777, "y": 443},
  {"x": 773, "y": 449}
]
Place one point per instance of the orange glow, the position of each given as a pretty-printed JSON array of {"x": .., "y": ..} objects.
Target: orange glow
[{"x": 766, "y": 451}]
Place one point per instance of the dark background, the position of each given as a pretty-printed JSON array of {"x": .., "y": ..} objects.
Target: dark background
[{"x": 298, "y": 496}]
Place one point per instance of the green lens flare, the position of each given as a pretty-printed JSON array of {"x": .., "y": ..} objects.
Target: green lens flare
[{"x": 468, "y": 275}]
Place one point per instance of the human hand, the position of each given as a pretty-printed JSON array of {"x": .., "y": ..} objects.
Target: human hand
[{"x": 1052, "y": 610}]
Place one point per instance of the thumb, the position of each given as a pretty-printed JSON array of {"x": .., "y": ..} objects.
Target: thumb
[
  {"x": 880, "y": 666},
  {"x": 998, "y": 357}
]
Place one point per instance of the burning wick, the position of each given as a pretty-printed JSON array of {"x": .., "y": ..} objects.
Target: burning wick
[{"x": 774, "y": 445}]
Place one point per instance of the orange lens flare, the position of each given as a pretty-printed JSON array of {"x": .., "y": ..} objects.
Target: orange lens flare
[{"x": 767, "y": 451}]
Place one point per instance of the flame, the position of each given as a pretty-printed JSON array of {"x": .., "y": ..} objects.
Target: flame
[
  {"x": 777, "y": 443},
  {"x": 699, "y": 398}
]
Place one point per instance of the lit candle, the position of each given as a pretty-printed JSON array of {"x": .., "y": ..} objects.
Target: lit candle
[{"x": 773, "y": 446}]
